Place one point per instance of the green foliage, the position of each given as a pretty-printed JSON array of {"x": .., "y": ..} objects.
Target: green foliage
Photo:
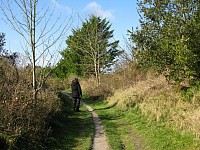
[
  {"x": 89, "y": 49},
  {"x": 188, "y": 93},
  {"x": 167, "y": 40},
  {"x": 193, "y": 42},
  {"x": 67, "y": 65}
]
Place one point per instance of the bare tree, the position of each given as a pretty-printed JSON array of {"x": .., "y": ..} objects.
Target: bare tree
[{"x": 41, "y": 30}]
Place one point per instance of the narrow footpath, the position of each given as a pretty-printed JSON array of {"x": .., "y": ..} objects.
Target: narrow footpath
[{"x": 99, "y": 140}]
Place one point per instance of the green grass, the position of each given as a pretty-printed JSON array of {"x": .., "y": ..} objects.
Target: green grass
[
  {"x": 71, "y": 130},
  {"x": 128, "y": 129}
]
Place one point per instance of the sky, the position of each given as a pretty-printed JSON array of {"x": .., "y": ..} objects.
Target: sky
[{"x": 122, "y": 14}]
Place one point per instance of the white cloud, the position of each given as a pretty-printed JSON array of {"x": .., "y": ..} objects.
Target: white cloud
[
  {"x": 61, "y": 7},
  {"x": 94, "y": 7}
]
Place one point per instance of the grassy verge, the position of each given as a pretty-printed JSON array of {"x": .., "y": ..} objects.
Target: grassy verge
[
  {"x": 71, "y": 130},
  {"x": 128, "y": 129}
]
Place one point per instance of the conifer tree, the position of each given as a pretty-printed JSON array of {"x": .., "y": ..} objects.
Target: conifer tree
[{"x": 89, "y": 49}]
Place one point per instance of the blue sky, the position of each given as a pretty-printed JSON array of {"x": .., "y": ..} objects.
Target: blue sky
[{"x": 122, "y": 14}]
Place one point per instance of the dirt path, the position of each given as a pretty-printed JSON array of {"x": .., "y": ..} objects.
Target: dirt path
[{"x": 99, "y": 140}]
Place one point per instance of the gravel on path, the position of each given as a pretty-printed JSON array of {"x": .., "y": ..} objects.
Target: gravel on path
[{"x": 99, "y": 140}]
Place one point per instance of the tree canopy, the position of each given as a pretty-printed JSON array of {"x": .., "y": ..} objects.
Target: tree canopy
[
  {"x": 90, "y": 50},
  {"x": 167, "y": 39}
]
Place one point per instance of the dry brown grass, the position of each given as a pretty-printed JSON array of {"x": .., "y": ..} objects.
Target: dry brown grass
[
  {"x": 155, "y": 97},
  {"x": 91, "y": 89},
  {"x": 160, "y": 101},
  {"x": 56, "y": 84},
  {"x": 137, "y": 93},
  {"x": 123, "y": 78}
]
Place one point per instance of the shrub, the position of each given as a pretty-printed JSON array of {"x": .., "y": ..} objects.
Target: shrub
[{"x": 21, "y": 118}]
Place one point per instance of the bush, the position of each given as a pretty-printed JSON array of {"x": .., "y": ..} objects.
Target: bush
[
  {"x": 96, "y": 91},
  {"x": 56, "y": 84},
  {"x": 122, "y": 78},
  {"x": 22, "y": 119}
]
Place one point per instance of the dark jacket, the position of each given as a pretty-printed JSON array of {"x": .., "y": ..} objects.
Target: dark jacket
[{"x": 76, "y": 89}]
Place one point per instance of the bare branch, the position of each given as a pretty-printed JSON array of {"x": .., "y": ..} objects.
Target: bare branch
[{"x": 27, "y": 24}]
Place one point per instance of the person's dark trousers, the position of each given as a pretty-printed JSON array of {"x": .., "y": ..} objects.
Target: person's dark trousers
[{"x": 76, "y": 102}]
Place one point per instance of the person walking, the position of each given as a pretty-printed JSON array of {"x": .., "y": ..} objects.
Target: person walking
[{"x": 76, "y": 93}]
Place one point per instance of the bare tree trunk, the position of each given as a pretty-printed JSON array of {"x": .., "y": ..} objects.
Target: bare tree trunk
[
  {"x": 34, "y": 77},
  {"x": 98, "y": 69},
  {"x": 25, "y": 25},
  {"x": 95, "y": 70},
  {"x": 33, "y": 29}
]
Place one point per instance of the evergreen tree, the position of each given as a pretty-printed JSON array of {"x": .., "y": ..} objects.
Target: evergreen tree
[
  {"x": 89, "y": 50},
  {"x": 162, "y": 41}
]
